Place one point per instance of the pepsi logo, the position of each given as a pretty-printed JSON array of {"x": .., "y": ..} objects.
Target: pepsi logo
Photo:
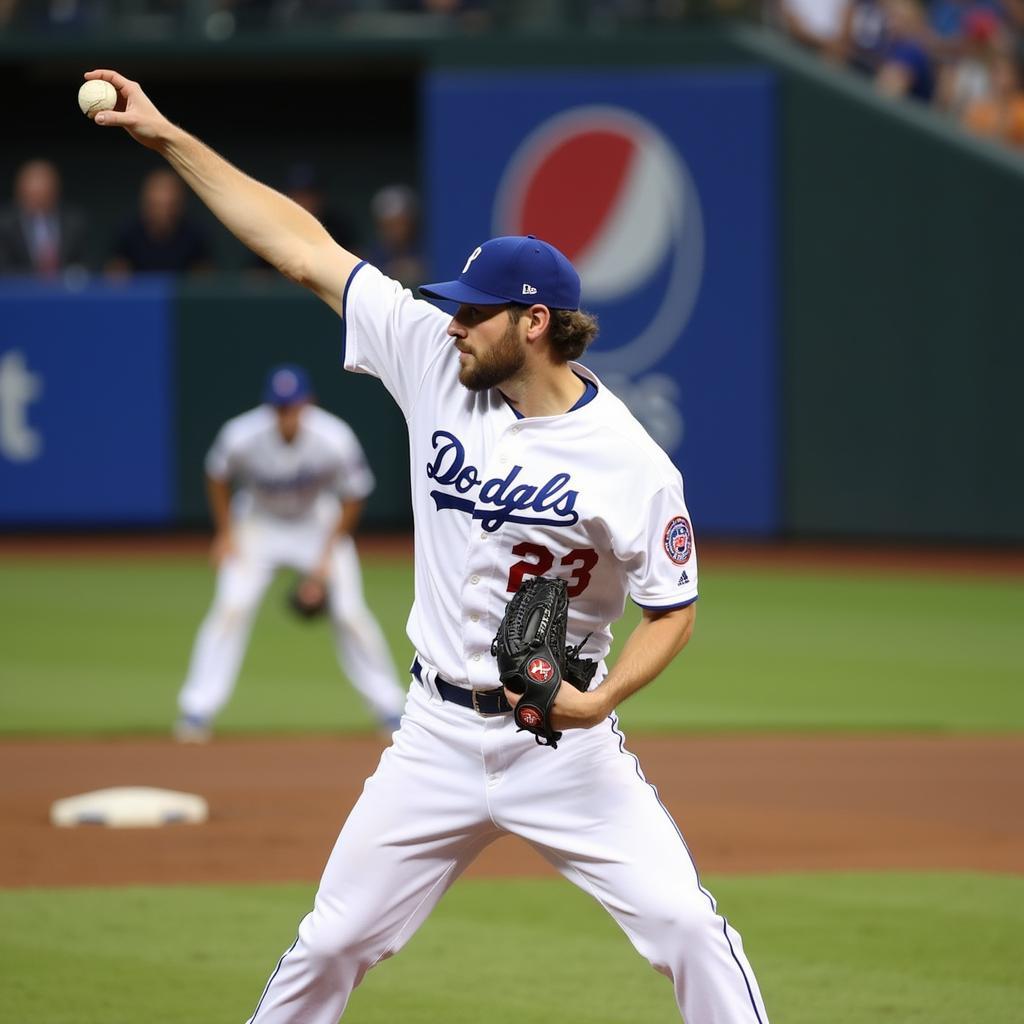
[
  {"x": 607, "y": 188},
  {"x": 540, "y": 670}
]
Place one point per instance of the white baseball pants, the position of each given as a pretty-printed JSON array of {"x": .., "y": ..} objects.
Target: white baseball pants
[
  {"x": 454, "y": 781},
  {"x": 263, "y": 548}
]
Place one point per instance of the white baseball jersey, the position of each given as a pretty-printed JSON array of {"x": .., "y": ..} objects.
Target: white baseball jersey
[
  {"x": 278, "y": 479},
  {"x": 587, "y": 496}
]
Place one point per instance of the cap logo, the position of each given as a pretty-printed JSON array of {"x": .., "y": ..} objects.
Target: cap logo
[
  {"x": 528, "y": 289},
  {"x": 472, "y": 256}
]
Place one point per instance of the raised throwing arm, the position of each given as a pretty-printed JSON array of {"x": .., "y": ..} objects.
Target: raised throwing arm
[{"x": 269, "y": 223}]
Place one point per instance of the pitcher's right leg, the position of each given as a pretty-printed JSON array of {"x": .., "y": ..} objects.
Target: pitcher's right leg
[{"x": 421, "y": 819}]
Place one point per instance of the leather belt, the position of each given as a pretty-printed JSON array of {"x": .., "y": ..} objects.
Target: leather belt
[{"x": 483, "y": 702}]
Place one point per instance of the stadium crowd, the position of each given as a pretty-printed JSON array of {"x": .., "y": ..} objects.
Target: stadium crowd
[
  {"x": 961, "y": 57},
  {"x": 42, "y": 236}
]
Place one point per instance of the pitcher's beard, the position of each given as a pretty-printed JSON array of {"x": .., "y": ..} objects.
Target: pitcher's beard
[{"x": 504, "y": 360}]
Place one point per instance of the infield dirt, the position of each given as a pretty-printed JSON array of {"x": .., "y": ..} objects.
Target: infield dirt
[{"x": 744, "y": 803}]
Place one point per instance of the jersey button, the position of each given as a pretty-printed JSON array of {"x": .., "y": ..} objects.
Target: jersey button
[
  {"x": 474, "y": 617},
  {"x": 474, "y": 579},
  {"x": 483, "y": 535},
  {"x": 476, "y": 657}
]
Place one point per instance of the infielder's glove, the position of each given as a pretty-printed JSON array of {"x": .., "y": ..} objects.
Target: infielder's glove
[
  {"x": 308, "y": 598},
  {"x": 533, "y": 658}
]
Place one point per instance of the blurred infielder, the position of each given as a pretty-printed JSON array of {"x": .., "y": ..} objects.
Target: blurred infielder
[
  {"x": 286, "y": 483},
  {"x": 523, "y": 465}
]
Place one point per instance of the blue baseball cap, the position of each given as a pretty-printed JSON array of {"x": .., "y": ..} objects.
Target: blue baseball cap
[
  {"x": 287, "y": 384},
  {"x": 514, "y": 268}
]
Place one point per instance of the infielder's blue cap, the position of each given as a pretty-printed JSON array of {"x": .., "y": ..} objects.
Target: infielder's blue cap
[
  {"x": 286, "y": 385},
  {"x": 514, "y": 268}
]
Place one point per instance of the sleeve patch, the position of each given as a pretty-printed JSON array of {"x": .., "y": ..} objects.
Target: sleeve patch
[{"x": 678, "y": 540}]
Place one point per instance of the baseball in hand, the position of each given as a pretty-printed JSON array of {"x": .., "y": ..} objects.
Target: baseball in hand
[{"x": 96, "y": 95}]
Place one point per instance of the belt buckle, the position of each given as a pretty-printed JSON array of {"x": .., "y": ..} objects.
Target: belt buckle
[{"x": 476, "y": 707}]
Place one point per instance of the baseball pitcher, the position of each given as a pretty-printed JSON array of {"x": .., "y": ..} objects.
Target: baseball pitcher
[{"x": 525, "y": 467}]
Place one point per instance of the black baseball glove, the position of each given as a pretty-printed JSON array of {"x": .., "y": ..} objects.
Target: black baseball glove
[
  {"x": 533, "y": 658},
  {"x": 308, "y": 598}
]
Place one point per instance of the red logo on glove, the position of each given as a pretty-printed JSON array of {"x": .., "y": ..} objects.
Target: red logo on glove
[
  {"x": 540, "y": 670},
  {"x": 529, "y": 717}
]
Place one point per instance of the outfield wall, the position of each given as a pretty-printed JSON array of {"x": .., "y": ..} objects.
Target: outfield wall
[
  {"x": 902, "y": 319},
  {"x": 111, "y": 396}
]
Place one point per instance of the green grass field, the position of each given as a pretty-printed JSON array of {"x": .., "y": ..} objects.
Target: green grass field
[
  {"x": 100, "y": 647},
  {"x": 829, "y": 949}
]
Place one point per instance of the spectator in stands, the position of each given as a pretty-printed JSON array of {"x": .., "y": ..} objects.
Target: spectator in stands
[
  {"x": 160, "y": 238},
  {"x": 947, "y": 17},
  {"x": 969, "y": 77},
  {"x": 1000, "y": 115},
  {"x": 38, "y": 234},
  {"x": 305, "y": 185},
  {"x": 817, "y": 24},
  {"x": 906, "y": 68},
  {"x": 396, "y": 245},
  {"x": 865, "y": 35}
]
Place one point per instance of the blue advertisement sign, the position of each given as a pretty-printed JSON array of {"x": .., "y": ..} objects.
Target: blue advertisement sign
[
  {"x": 85, "y": 404},
  {"x": 660, "y": 187}
]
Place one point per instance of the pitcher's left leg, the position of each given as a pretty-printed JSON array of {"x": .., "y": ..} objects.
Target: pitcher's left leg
[{"x": 603, "y": 827}]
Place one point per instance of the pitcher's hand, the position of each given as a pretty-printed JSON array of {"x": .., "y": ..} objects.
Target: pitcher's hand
[{"x": 134, "y": 111}]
